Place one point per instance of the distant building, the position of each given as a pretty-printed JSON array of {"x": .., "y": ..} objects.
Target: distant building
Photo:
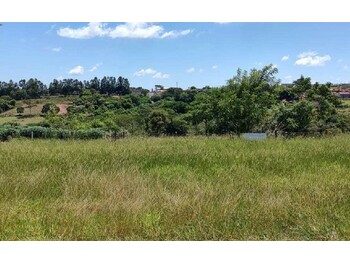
[
  {"x": 341, "y": 92},
  {"x": 158, "y": 89}
]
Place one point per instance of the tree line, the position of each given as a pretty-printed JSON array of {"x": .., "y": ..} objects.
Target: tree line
[
  {"x": 253, "y": 101},
  {"x": 34, "y": 88}
]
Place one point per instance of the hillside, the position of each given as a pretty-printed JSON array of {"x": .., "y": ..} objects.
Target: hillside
[{"x": 33, "y": 115}]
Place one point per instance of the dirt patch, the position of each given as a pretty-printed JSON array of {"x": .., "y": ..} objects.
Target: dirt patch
[{"x": 63, "y": 109}]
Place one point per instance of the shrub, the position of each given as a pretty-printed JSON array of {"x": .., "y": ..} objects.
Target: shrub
[
  {"x": 36, "y": 131},
  {"x": 63, "y": 134},
  {"x": 89, "y": 134},
  {"x": 177, "y": 127},
  {"x": 20, "y": 110},
  {"x": 50, "y": 108},
  {"x": 6, "y": 133}
]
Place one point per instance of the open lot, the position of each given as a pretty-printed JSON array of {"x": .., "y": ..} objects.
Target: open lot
[{"x": 175, "y": 189}]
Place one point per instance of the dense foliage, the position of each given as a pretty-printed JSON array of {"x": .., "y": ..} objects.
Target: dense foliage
[
  {"x": 249, "y": 102},
  {"x": 33, "y": 88},
  {"x": 8, "y": 132}
]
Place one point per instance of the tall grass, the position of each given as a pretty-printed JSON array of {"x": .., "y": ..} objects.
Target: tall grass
[{"x": 175, "y": 189}]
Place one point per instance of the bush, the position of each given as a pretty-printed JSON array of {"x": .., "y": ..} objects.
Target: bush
[
  {"x": 6, "y": 133},
  {"x": 50, "y": 108},
  {"x": 177, "y": 127},
  {"x": 20, "y": 110},
  {"x": 36, "y": 131},
  {"x": 63, "y": 134},
  {"x": 89, "y": 134}
]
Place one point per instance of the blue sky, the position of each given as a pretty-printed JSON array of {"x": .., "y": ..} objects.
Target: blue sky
[{"x": 189, "y": 54}]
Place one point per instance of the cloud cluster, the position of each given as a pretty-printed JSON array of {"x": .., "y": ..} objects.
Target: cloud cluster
[
  {"x": 94, "y": 68},
  {"x": 285, "y": 58},
  {"x": 149, "y": 71},
  {"x": 78, "y": 70},
  {"x": 190, "y": 70},
  {"x": 311, "y": 59},
  {"x": 56, "y": 49},
  {"x": 126, "y": 30}
]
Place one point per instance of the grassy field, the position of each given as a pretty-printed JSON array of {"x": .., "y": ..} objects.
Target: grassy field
[
  {"x": 346, "y": 102},
  {"x": 175, "y": 189},
  {"x": 21, "y": 121}
]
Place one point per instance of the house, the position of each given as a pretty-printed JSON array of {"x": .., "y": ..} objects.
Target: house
[
  {"x": 344, "y": 94},
  {"x": 158, "y": 90},
  {"x": 341, "y": 92}
]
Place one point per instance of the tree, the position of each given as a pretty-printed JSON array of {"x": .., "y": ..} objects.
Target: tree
[
  {"x": 35, "y": 88},
  {"x": 122, "y": 86},
  {"x": 177, "y": 127},
  {"x": 20, "y": 110},
  {"x": 203, "y": 109},
  {"x": 50, "y": 108},
  {"x": 158, "y": 122},
  {"x": 293, "y": 118},
  {"x": 55, "y": 87},
  {"x": 245, "y": 101}
]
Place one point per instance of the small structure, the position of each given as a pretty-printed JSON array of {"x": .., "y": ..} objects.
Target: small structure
[{"x": 158, "y": 90}]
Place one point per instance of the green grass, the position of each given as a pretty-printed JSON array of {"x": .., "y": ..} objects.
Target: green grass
[
  {"x": 346, "y": 102},
  {"x": 175, "y": 189},
  {"x": 21, "y": 121}
]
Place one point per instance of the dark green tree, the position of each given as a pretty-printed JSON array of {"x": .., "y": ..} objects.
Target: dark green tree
[{"x": 158, "y": 122}]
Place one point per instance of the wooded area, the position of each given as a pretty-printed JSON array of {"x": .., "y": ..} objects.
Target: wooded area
[{"x": 253, "y": 101}]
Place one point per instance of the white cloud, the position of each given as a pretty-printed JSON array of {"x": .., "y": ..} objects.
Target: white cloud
[
  {"x": 214, "y": 67},
  {"x": 173, "y": 34},
  {"x": 144, "y": 72},
  {"x": 160, "y": 75},
  {"x": 56, "y": 49},
  {"x": 288, "y": 77},
  {"x": 340, "y": 60},
  {"x": 307, "y": 54},
  {"x": 78, "y": 70},
  {"x": 94, "y": 68},
  {"x": 126, "y": 30},
  {"x": 346, "y": 67},
  {"x": 136, "y": 30},
  {"x": 190, "y": 70},
  {"x": 89, "y": 31},
  {"x": 149, "y": 71},
  {"x": 285, "y": 58},
  {"x": 201, "y": 70},
  {"x": 311, "y": 59}
]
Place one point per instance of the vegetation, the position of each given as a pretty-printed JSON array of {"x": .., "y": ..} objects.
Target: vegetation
[
  {"x": 190, "y": 188},
  {"x": 50, "y": 108},
  {"x": 252, "y": 101},
  {"x": 20, "y": 110},
  {"x": 48, "y": 133},
  {"x": 152, "y": 187}
]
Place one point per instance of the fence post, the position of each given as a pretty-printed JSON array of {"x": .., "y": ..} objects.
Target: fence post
[{"x": 32, "y": 135}]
